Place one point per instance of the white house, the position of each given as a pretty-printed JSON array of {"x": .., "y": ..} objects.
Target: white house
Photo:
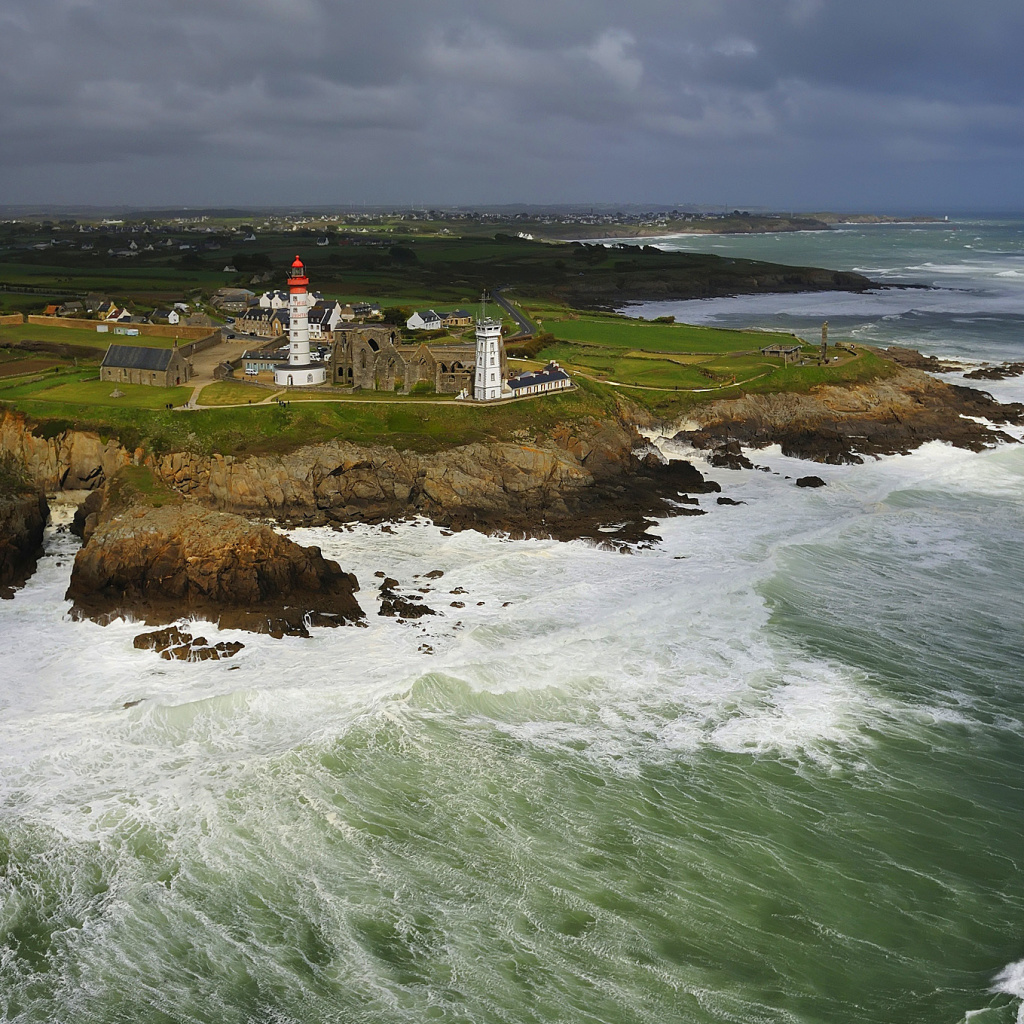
[
  {"x": 424, "y": 320},
  {"x": 535, "y": 382}
]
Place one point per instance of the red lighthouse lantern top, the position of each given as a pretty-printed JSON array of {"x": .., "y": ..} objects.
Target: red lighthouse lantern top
[{"x": 297, "y": 279}]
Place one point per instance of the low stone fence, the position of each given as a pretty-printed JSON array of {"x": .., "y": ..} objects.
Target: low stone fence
[
  {"x": 11, "y": 319},
  {"x": 202, "y": 344},
  {"x": 180, "y": 331}
]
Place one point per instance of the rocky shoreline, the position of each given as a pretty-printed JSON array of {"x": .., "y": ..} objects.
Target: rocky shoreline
[
  {"x": 839, "y": 425},
  {"x": 22, "y": 521},
  {"x": 192, "y": 549}
]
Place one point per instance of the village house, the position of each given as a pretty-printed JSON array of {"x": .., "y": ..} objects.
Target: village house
[
  {"x": 134, "y": 364},
  {"x": 263, "y": 360},
  {"x": 534, "y": 382},
  {"x": 232, "y": 300},
  {"x": 323, "y": 318},
  {"x": 424, "y": 320},
  {"x": 263, "y": 322},
  {"x": 456, "y": 318}
]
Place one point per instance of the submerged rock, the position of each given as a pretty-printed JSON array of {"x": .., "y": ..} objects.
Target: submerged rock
[{"x": 393, "y": 605}]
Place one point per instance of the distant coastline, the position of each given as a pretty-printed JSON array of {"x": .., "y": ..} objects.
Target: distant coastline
[{"x": 736, "y": 224}]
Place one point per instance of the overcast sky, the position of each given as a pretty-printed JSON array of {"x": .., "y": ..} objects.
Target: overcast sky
[{"x": 805, "y": 104}]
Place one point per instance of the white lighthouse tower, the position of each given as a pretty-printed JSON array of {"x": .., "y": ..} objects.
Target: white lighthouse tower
[
  {"x": 300, "y": 370},
  {"x": 489, "y": 379}
]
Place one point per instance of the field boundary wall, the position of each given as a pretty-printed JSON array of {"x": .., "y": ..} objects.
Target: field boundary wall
[{"x": 179, "y": 331}]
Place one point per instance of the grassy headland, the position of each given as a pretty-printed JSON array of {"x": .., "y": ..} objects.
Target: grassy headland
[{"x": 657, "y": 370}]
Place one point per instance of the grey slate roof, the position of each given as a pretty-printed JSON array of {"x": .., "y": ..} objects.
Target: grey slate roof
[
  {"x": 545, "y": 376},
  {"x": 135, "y": 357}
]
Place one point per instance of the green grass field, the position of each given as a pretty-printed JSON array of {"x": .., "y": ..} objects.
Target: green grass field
[
  {"x": 80, "y": 389},
  {"x": 272, "y": 428},
  {"x": 611, "y": 331},
  {"x": 79, "y": 336}
]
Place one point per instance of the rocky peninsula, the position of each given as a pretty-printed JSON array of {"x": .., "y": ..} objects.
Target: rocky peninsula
[
  {"x": 838, "y": 425},
  {"x": 171, "y": 534}
]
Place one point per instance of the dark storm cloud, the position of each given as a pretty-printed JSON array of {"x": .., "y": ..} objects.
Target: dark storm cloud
[{"x": 781, "y": 102}]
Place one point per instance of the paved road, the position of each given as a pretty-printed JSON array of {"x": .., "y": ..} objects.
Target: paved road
[{"x": 526, "y": 326}]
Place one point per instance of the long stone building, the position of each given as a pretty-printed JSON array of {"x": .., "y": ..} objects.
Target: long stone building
[{"x": 136, "y": 364}]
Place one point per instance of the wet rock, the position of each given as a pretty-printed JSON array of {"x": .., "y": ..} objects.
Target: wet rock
[
  {"x": 23, "y": 518},
  {"x": 434, "y": 574},
  {"x": 170, "y": 562},
  {"x": 1000, "y": 371},
  {"x": 729, "y": 456},
  {"x": 394, "y": 605},
  {"x": 729, "y": 501},
  {"x": 174, "y": 643},
  {"x": 810, "y": 481},
  {"x": 87, "y": 515}
]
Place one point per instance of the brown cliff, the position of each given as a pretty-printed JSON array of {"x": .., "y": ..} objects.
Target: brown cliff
[
  {"x": 570, "y": 483},
  {"x": 160, "y": 562},
  {"x": 22, "y": 521}
]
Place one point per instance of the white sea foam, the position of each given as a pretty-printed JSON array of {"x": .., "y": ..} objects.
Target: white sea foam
[{"x": 1010, "y": 981}]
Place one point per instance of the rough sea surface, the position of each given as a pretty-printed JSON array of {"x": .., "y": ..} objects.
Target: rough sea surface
[{"x": 771, "y": 770}]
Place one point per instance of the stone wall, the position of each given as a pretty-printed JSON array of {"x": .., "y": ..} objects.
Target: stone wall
[{"x": 149, "y": 330}]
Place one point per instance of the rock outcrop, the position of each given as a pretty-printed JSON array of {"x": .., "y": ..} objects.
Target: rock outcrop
[
  {"x": 1000, "y": 371},
  {"x": 160, "y": 563},
  {"x": 22, "y": 521},
  {"x": 836, "y": 425},
  {"x": 61, "y": 459}
]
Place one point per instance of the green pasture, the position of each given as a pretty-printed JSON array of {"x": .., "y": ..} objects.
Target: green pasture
[
  {"x": 79, "y": 336},
  {"x": 81, "y": 388},
  {"x": 273, "y": 428},
  {"x": 621, "y": 332}
]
